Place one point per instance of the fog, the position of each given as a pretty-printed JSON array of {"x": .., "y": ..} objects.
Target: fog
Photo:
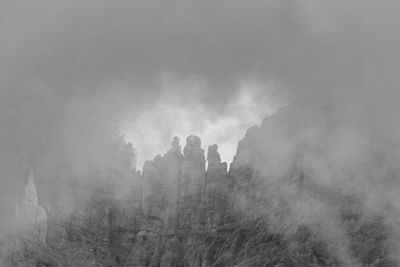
[{"x": 72, "y": 72}]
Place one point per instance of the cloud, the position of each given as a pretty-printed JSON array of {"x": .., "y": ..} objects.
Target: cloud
[
  {"x": 74, "y": 45},
  {"x": 179, "y": 112}
]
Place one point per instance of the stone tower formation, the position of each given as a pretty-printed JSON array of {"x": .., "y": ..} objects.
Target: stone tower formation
[
  {"x": 180, "y": 194},
  {"x": 31, "y": 216}
]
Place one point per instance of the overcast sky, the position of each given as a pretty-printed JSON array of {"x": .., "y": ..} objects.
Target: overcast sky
[{"x": 70, "y": 69}]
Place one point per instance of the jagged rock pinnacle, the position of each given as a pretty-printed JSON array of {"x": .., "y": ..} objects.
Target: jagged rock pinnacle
[
  {"x": 32, "y": 216},
  {"x": 193, "y": 142},
  {"x": 192, "y": 180},
  {"x": 175, "y": 146},
  {"x": 213, "y": 156},
  {"x": 30, "y": 190}
]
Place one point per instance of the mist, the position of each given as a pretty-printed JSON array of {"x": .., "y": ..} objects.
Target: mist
[{"x": 76, "y": 76}]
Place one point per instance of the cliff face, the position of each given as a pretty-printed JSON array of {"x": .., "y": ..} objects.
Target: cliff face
[
  {"x": 30, "y": 215},
  {"x": 264, "y": 211},
  {"x": 216, "y": 193},
  {"x": 23, "y": 237}
]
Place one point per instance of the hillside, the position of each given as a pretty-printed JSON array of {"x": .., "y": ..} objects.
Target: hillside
[{"x": 185, "y": 209}]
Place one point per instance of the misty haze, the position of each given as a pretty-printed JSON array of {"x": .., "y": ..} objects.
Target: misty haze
[{"x": 200, "y": 133}]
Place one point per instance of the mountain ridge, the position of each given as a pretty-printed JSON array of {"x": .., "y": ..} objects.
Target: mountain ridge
[{"x": 177, "y": 212}]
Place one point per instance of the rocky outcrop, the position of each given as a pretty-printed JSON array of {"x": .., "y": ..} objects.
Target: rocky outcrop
[
  {"x": 216, "y": 190},
  {"x": 193, "y": 168},
  {"x": 191, "y": 183},
  {"x": 161, "y": 178},
  {"x": 180, "y": 213},
  {"x": 172, "y": 173},
  {"x": 31, "y": 217}
]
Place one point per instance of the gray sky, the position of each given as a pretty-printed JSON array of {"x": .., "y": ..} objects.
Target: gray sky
[{"x": 69, "y": 69}]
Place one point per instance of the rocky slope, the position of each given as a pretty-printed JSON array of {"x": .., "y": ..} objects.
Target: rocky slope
[{"x": 264, "y": 211}]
